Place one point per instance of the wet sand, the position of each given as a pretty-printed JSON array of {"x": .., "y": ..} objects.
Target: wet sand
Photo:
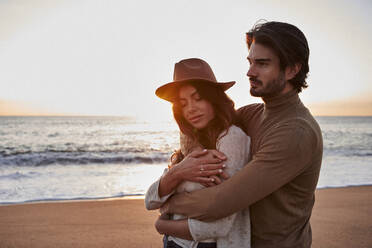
[{"x": 342, "y": 217}]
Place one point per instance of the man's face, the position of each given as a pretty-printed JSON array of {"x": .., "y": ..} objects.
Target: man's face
[{"x": 264, "y": 73}]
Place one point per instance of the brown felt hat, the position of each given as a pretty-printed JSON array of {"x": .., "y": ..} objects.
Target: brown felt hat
[{"x": 186, "y": 71}]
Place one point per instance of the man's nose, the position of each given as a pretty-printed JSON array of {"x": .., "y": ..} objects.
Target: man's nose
[{"x": 252, "y": 71}]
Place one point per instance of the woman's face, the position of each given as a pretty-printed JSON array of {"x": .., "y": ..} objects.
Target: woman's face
[{"x": 197, "y": 111}]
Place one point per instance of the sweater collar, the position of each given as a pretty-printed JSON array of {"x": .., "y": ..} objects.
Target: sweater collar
[{"x": 281, "y": 102}]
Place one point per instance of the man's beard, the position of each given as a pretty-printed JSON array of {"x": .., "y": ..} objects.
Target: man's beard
[{"x": 272, "y": 88}]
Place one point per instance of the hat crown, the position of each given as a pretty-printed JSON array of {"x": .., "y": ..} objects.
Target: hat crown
[
  {"x": 193, "y": 69},
  {"x": 190, "y": 70}
]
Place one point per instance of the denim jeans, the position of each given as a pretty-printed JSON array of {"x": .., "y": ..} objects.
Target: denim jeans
[{"x": 170, "y": 244}]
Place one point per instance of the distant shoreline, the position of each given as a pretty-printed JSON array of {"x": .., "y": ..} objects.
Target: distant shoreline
[{"x": 131, "y": 196}]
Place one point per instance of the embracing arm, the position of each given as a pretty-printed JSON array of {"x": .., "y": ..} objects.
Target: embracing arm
[
  {"x": 153, "y": 200},
  {"x": 188, "y": 169},
  {"x": 192, "y": 229},
  {"x": 235, "y": 145},
  {"x": 175, "y": 228},
  {"x": 283, "y": 154}
]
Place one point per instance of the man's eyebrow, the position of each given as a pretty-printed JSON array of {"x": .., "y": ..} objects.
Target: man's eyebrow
[{"x": 260, "y": 59}]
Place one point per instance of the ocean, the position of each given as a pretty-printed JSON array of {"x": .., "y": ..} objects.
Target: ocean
[{"x": 68, "y": 158}]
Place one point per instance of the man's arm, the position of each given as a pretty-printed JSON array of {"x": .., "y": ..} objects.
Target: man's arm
[{"x": 283, "y": 154}]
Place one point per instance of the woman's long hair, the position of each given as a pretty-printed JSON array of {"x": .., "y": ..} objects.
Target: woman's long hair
[{"x": 224, "y": 115}]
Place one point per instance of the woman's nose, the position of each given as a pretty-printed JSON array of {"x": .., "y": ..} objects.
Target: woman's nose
[{"x": 191, "y": 108}]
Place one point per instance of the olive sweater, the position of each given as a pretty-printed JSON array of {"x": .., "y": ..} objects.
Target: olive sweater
[{"x": 278, "y": 184}]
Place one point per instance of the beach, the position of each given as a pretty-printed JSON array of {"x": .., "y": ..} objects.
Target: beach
[
  {"x": 71, "y": 181},
  {"x": 341, "y": 218}
]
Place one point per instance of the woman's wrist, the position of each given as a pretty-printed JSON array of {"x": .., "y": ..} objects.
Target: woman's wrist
[
  {"x": 175, "y": 174},
  {"x": 169, "y": 181}
]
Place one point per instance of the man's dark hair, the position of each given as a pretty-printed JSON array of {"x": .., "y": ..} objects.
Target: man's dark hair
[{"x": 289, "y": 44}]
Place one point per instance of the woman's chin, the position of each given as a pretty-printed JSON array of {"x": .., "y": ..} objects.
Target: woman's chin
[{"x": 199, "y": 127}]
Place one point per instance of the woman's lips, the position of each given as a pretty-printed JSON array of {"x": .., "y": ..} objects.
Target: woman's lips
[{"x": 195, "y": 119}]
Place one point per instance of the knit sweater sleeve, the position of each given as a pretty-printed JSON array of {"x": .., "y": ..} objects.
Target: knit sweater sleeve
[
  {"x": 235, "y": 145},
  {"x": 152, "y": 198}
]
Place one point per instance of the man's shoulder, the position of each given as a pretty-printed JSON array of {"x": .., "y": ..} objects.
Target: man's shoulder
[
  {"x": 250, "y": 108},
  {"x": 247, "y": 112},
  {"x": 300, "y": 120},
  {"x": 248, "y": 115},
  {"x": 297, "y": 129}
]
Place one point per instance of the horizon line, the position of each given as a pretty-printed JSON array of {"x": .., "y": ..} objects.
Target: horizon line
[{"x": 136, "y": 117}]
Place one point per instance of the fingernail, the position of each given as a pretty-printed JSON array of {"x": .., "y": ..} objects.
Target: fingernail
[
  {"x": 223, "y": 166},
  {"x": 212, "y": 179},
  {"x": 205, "y": 150},
  {"x": 220, "y": 170}
]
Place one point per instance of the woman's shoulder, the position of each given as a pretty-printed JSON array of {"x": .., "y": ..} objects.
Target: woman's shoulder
[
  {"x": 234, "y": 134},
  {"x": 234, "y": 131}
]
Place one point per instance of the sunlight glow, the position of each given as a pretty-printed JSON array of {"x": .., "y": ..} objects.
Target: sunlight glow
[{"x": 107, "y": 58}]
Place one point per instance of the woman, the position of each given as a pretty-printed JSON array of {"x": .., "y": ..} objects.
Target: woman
[{"x": 205, "y": 115}]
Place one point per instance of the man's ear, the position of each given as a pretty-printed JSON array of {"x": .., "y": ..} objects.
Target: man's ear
[{"x": 291, "y": 71}]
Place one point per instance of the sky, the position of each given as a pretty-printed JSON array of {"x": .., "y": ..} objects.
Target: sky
[{"x": 107, "y": 57}]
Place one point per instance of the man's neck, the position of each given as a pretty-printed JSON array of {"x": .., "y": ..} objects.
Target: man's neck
[
  {"x": 281, "y": 102},
  {"x": 288, "y": 88}
]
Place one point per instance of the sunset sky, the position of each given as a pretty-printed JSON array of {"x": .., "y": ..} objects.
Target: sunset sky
[{"x": 108, "y": 57}]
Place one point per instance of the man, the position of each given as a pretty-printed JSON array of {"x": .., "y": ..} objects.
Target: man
[{"x": 279, "y": 182}]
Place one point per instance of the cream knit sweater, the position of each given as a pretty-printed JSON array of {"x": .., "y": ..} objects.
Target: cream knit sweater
[{"x": 231, "y": 231}]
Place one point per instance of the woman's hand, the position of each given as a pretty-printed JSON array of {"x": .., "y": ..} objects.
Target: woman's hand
[
  {"x": 217, "y": 179},
  {"x": 200, "y": 166}
]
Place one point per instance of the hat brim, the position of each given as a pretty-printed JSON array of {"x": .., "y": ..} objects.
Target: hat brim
[{"x": 169, "y": 91}]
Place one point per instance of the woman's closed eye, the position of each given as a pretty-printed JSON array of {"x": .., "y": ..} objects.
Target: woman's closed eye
[
  {"x": 182, "y": 103},
  {"x": 197, "y": 97}
]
